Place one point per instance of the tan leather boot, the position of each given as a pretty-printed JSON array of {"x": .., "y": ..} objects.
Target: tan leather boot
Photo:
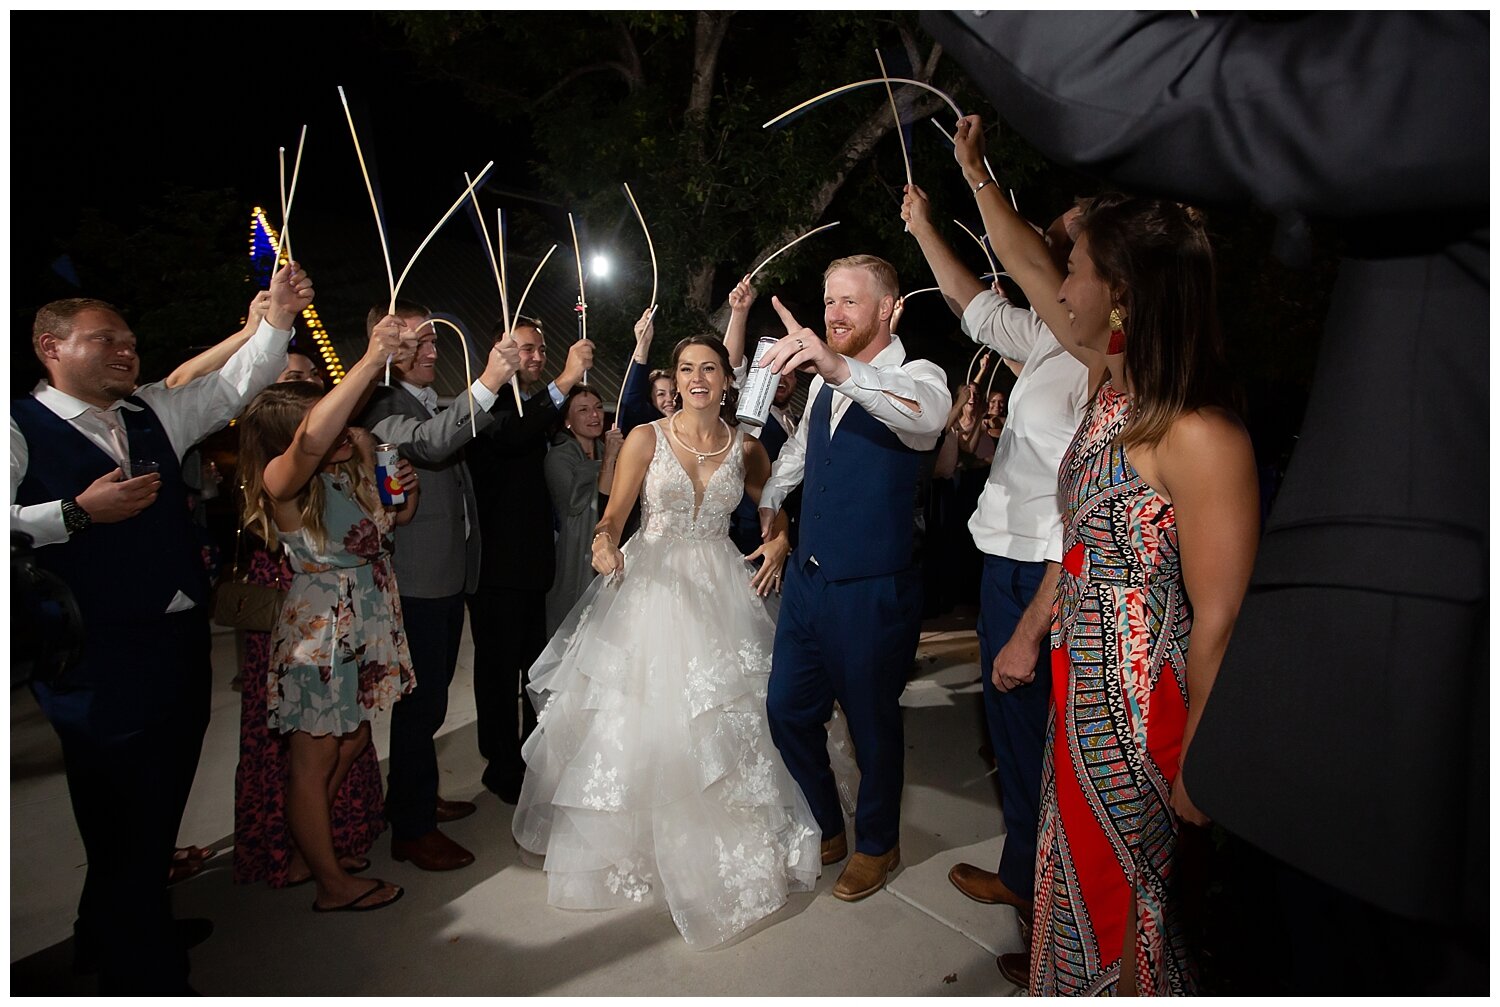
[{"x": 865, "y": 875}]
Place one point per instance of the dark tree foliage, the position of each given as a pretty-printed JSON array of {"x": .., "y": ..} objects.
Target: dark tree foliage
[
  {"x": 175, "y": 267},
  {"x": 673, "y": 103}
]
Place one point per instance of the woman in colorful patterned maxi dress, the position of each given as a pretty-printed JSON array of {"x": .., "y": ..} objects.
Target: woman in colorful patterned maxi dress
[{"x": 1161, "y": 518}]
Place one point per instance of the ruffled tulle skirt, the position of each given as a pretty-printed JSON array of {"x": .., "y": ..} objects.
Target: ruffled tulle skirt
[{"x": 652, "y": 774}]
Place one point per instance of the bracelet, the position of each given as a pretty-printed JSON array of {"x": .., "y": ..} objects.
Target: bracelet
[
  {"x": 606, "y": 536},
  {"x": 981, "y": 185}
]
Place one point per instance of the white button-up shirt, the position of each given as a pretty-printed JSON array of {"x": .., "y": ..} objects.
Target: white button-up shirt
[
  {"x": 1019, "y": 516},
  {"x": 877, "y": 387}
]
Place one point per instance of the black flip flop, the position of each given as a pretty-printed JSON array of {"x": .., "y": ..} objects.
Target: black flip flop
[{"x": 355, "y": 907}]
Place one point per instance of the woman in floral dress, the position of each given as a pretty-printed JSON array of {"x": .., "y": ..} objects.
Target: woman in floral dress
[
  {"x": 1161, "y": 517},
  {"x": 339, "y": 652}
]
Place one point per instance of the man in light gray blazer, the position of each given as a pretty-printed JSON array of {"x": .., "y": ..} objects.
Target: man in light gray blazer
[{"x": 437, "y": 562}]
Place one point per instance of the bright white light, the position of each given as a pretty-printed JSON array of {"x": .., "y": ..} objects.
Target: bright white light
[{"x": 599, "y": 266}]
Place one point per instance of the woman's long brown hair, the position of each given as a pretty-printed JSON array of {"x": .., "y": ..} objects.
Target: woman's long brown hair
[{"x": 1156, "y": 255}]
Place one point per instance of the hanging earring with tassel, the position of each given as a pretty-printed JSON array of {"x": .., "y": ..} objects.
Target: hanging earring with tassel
[{"x": 1116, "y": 332}]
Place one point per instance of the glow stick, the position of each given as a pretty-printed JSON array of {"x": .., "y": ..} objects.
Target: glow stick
[
  {"x": 651, "y": 247},
  {"x": 583, "y": 304},
  {"x": 436, "y": 227},
  {"x": 905, "y": 159},
  {"x": 287, "y": 198},
  {"x": 379, "y": 226},
  {"x": 835, "y": 92},
  {"x": 515, "y": 380},
  {"x": 515, "y": 384},
  {"x": 953, "y": 143},
  {"x": 468, "y": 373},
  {"x": 789, "y": 244},
  {"x": 969, "y": 374},
  {"x": 982, "y": 246},
  {"x": 538, "y": 272}
]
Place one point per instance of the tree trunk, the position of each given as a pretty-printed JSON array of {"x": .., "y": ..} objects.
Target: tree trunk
[
  {"x": 859, "y": 145},
  {"x": 700, "y": 287},
  {"x": 912, "y": 107}
]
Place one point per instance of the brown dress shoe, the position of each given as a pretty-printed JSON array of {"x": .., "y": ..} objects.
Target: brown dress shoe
[
  {"x": 452, "y": 811},
  {"x": 835, "y": 849},
  {"x": 1016, "y": 967},
  {"x": 985, "y": 886},
  {"x": 865, "y": 875},
  {"x": 432, "y": 852}
]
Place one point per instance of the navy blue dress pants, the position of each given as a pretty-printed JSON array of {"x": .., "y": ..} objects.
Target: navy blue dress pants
[
  {"x": 852, "y": 641},
  {"x": 434, "y": 628},
  {"x": 1017, "y": 720},
  {"x": 131, "y": 725}
]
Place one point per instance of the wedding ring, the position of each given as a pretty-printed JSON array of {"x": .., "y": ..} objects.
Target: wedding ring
[{"x": 799, "y": 344}]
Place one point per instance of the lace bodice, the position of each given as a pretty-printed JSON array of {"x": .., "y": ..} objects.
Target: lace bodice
[{"x": 669, "y": 504}]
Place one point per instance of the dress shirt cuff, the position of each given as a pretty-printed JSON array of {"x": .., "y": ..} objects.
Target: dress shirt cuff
[
  {"x": 865, "y": 387},
  {"x": 43, "y": 522},
  {"x": 269, "y": 339},
  {"x": 773, "y": 495},
  {"x": 483, "y": 397},
  {"x": 558, "y": 398}
]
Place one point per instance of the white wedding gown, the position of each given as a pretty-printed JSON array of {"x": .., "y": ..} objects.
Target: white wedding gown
[{"x": 652, "y": 772}]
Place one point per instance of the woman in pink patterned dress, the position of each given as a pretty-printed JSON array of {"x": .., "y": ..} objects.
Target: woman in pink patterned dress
[{"x": 1160, "y": 512}]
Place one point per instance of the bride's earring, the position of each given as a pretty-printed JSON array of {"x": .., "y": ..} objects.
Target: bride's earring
[{"x": 723, "y": 397}]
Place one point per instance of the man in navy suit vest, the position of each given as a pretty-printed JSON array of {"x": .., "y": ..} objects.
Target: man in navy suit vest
[
  {"x": 132, "y": 711},
  {"x": 852, "y": 608}
]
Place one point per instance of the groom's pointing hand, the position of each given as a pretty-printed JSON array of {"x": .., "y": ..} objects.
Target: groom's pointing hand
[{"x": 802, "y": 349}]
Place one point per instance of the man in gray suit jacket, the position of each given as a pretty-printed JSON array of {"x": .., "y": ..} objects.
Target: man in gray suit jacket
[{"x": 437, "y": 562}]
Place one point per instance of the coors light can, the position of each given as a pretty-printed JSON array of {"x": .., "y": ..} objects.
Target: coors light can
[
  {"x": 760, "y": 387},
  {"x": 391, "y": 492}
]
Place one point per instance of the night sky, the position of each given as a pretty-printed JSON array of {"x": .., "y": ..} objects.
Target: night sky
[{"x": 142, "y": 105}]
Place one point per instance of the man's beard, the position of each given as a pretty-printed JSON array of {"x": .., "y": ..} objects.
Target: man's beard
[{"x": 854, "y": 342}]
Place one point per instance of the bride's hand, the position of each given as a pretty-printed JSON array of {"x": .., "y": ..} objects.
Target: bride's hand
[
  {"x": 608, "y": 559},
  {"x": 768, "y": 577}
]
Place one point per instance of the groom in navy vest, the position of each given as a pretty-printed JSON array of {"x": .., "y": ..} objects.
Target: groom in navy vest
[{"x": 852, "y": 608}]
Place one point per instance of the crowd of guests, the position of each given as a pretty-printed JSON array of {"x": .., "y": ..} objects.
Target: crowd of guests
[{"x": 1114, "y": 522}]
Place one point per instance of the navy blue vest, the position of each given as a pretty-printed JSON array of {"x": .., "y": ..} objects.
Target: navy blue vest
[
  {"x": 859, "y": 491},
  {"x": 127, "y": 571}
]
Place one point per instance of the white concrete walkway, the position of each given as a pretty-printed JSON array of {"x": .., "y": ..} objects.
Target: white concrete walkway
[{"x": 487, "y": 930}]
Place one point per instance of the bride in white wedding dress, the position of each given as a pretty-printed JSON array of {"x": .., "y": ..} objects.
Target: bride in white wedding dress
[{"x": 651, "y": 773}]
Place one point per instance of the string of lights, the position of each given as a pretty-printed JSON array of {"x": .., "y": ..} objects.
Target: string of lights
[{"x": 263, "y": 242}]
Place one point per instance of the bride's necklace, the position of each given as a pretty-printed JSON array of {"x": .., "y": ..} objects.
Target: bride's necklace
[{"x": 702, "y": 456}]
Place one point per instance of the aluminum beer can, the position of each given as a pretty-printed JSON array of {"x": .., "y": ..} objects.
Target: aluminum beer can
[
  {"x": 760, "y": 387},
  {"x": 386, "y": 458}
]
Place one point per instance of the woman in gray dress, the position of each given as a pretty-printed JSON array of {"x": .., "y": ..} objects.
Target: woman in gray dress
[{"x": 579, "y": 469}]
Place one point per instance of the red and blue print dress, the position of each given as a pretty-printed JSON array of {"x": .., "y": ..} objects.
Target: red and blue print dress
[{"x": 1119, "y": 702}]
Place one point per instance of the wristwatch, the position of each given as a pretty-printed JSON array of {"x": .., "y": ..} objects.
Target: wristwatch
[{"x": 75, "y": 518}]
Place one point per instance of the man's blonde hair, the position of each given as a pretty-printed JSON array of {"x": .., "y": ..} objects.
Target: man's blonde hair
[{"x": 884, "y": 272}]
